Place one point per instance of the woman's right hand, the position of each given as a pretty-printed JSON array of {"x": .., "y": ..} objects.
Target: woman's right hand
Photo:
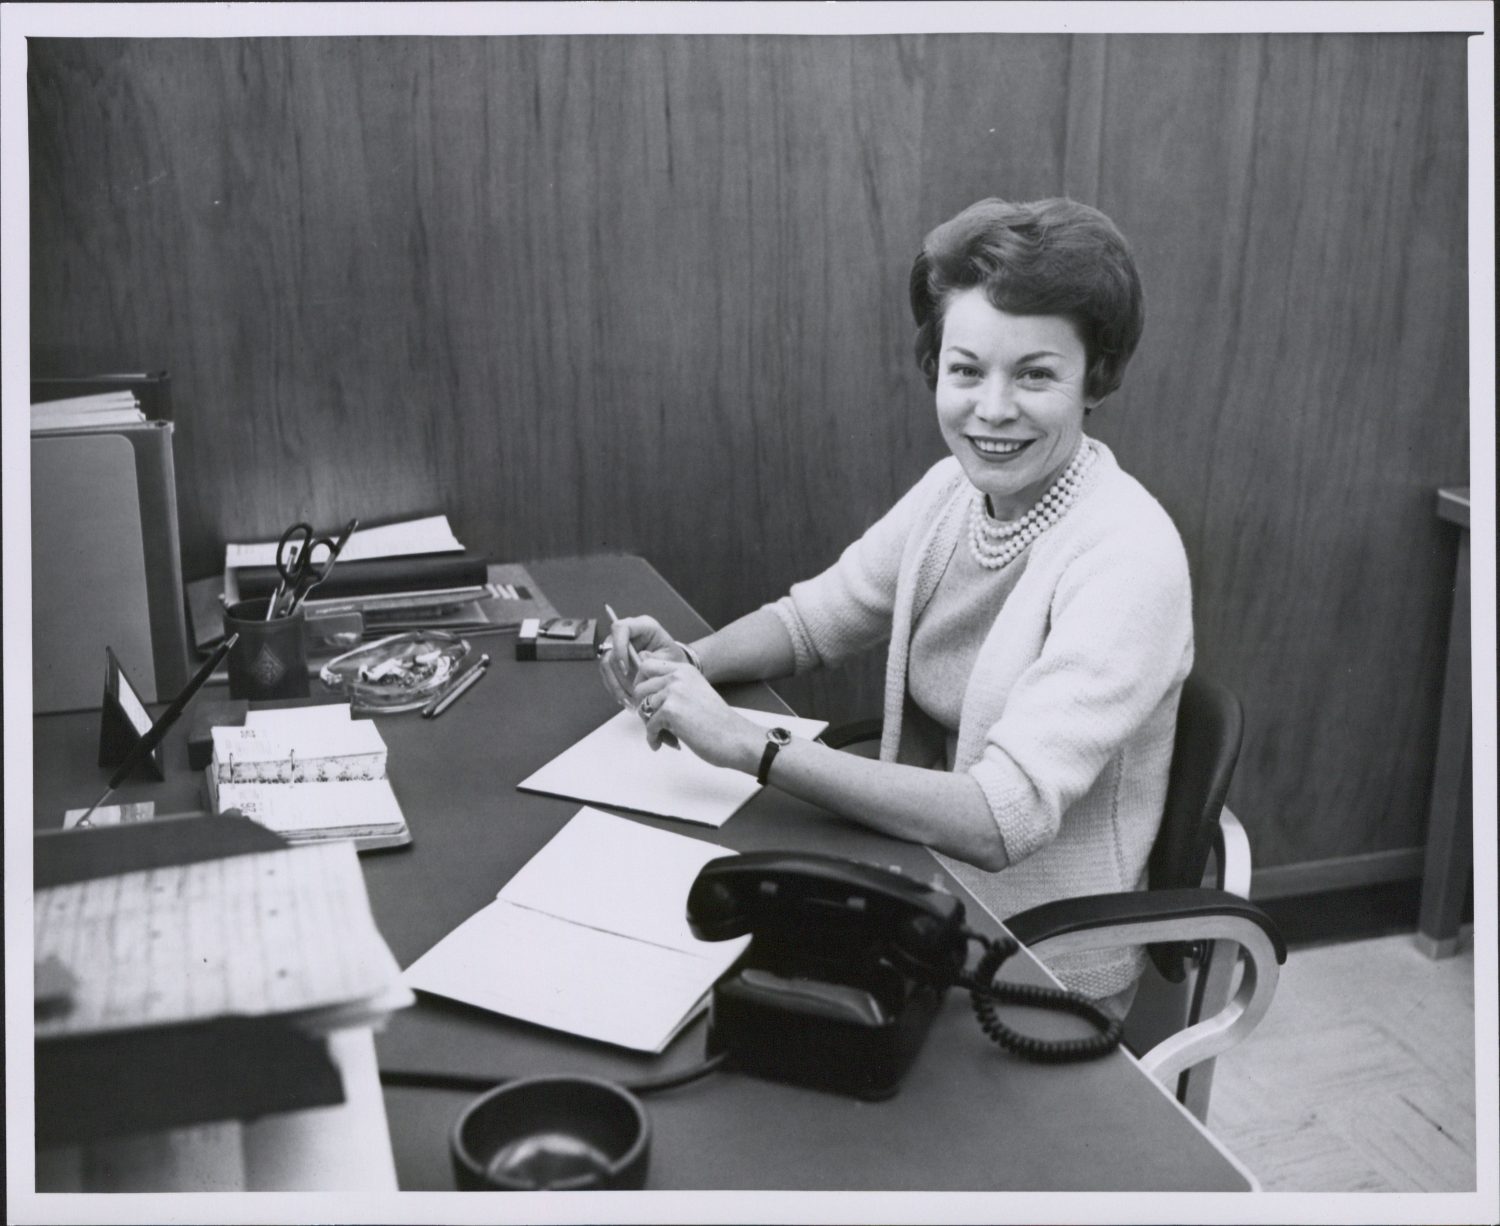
[{"x": 647, "y": 636}]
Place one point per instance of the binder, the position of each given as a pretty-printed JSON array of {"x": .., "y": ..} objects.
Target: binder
[
  {"x": 143, "y": 1080},
  {"x": 106, "y": 563}
]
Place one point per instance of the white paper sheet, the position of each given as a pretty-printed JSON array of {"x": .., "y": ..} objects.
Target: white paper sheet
[
  {"x": 589, "y": 938},
  {"x": 301, "y": 721},
  {"x": 616, "y": 875},
  {"x": 430, "y": 535},
  {"x": 613, "y": 765}
]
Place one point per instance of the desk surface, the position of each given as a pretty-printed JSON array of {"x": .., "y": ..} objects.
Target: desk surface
[{"x": 968, "y": 1117}]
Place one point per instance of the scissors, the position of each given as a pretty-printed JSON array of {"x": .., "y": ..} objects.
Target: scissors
[{"x": 299, "y": 569}]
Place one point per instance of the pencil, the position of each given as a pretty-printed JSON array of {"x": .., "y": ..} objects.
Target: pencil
[
  {"x": 667, "y": 738},
  {"x": 438, "y": 705}
]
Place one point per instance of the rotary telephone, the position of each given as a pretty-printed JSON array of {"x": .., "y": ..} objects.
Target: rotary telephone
[{"x": 846, "y": 970}]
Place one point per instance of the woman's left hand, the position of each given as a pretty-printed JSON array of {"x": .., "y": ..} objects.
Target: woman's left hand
[{"x": 677, "y": 698}]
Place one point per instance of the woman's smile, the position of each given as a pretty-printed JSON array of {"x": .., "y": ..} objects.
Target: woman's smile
[{"x": 999, "y": 450}]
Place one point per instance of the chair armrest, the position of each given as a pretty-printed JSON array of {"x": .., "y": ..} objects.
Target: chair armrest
[
  {"x": 1108, "y": 921},
  {"x": 1090, "y": 919},
  {"x": 1231, "y": 855}
]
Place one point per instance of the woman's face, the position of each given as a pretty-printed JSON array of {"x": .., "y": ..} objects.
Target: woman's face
[{"x": 1010, "y": 398}]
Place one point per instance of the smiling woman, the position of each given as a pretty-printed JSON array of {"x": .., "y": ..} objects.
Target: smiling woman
[{"x": 1035, "y": 597}]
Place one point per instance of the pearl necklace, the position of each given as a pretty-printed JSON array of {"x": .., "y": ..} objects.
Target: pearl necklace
[{"x": 994, "y": 545}]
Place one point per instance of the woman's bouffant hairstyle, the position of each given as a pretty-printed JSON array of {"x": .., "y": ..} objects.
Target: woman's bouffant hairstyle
[{"x": 1049, "y": 257}]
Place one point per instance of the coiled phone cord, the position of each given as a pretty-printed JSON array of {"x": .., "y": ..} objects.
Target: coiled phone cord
[{"x": 985, "y": 993}]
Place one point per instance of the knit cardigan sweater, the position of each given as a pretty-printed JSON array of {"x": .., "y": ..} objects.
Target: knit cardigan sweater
[{"x": 1068, "y": 718}]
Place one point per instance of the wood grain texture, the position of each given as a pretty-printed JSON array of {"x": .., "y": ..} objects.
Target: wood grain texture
[
  {"x": 648, "y": 294},
  {"x": 1300, "y": 392}
]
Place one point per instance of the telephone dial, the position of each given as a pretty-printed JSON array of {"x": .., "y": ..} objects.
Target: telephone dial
[{"x": 846, "y": 969}]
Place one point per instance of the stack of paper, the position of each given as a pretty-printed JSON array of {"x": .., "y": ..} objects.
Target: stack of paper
[
  {"x": 275, "y": 932},
  {"x": 431, "y": 534},
  {"x": 590, "y": 937},
  {"x": 311, "y": 774},
  {"x": 102, "y": 409}
]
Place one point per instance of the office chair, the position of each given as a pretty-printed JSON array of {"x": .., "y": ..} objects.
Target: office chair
[{"x": 1188, "y": 1009}]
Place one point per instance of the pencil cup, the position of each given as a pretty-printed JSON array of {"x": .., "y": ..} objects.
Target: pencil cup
[
  {"x": 270, "y": 659},
  {"x": 552, "y": 1133}
]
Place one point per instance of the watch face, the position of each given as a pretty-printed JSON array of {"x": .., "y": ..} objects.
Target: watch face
[{"x": 780, "y": 735}]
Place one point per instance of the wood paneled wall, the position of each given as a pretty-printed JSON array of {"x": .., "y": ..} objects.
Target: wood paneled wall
[{"x": 648, "y": 294}]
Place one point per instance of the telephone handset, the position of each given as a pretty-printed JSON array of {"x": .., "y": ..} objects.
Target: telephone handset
[{"x": 846, "y": 970}]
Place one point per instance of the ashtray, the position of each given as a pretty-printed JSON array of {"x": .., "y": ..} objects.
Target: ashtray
[
  {"x": 400, "y": 673},
  {"x": 552, "y": 1133}
]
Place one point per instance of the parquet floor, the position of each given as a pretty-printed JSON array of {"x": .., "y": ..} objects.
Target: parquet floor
[{"x": 1361, "y": 1077}]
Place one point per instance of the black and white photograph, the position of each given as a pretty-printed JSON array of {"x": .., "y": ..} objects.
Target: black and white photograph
[{"x": 721, "y": 612}]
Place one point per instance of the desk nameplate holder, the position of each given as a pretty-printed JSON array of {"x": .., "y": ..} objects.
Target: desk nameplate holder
[{"x": 124, "y": 720}]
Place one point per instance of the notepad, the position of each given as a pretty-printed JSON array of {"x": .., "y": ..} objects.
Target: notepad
[
  {"x": 590, "y": 937},
  {"x": 365, "y": 810},
  {"x": 613, "y": 765},
  {"x": 311, "y": 774}
]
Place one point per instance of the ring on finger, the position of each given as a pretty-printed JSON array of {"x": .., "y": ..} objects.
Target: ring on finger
[{"x": 648, "y": 708}]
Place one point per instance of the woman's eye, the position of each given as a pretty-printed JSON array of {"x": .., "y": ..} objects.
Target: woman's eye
[
  {"x": 1037, "y": 374},
  {"x": 964, "y": 371}
]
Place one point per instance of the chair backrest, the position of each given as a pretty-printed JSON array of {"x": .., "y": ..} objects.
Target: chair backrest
[{"x": 1210, "y": 723}]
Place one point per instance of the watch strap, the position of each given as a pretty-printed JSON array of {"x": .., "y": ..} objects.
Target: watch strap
[{"x": 775, "y": 739}]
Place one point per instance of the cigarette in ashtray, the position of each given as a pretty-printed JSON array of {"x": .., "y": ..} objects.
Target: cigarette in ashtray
[{"x": 402, "y": 669}]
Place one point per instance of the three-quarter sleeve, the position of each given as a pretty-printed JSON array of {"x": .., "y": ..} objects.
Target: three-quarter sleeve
[{"x": 1119, "y": 642}]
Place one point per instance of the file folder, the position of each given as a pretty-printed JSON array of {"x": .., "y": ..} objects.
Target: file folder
[{"x": 106, "y": 569}]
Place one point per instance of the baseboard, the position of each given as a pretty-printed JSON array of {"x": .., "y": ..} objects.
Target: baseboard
[
  {"x": 1339, "y": 873},
  {"x": 1349, "y": 898}
]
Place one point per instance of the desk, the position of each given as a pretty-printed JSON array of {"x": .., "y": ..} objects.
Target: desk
[
  {"x": 967, "y": 1118},
  {"x": 1450, "y": 813}
]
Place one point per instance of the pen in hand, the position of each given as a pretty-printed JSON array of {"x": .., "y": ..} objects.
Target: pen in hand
[
  {"x": 465, "y": 682},
  {"x": 667, "y": 738}
]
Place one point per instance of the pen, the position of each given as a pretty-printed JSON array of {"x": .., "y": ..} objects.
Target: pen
[
  {"x": 163, "y": 723},
  {"x": 667, "y": 738},
  {"x": 470, "y": 677}
]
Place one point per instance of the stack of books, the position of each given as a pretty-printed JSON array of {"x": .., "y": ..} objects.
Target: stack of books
[
  {"x": 313, "y": 775},
  {"x": 398, "y": 577}
]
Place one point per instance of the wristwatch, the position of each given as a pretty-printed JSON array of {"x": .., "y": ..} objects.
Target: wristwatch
[{"x": 775, "y": 739}]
